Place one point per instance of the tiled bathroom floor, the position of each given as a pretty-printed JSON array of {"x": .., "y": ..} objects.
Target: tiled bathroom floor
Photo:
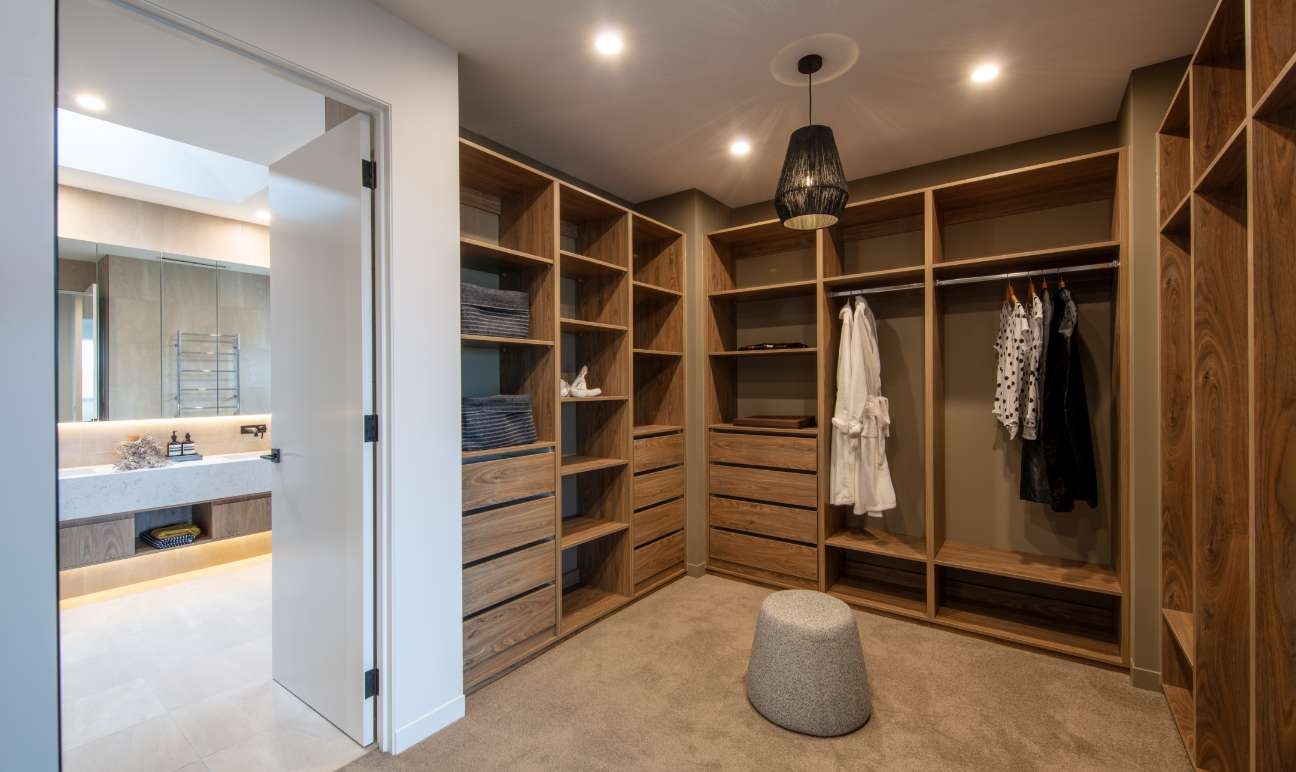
[{"x": 176, "y": 676}]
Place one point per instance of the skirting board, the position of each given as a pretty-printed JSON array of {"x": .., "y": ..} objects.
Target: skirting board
[
  {"x": 1143, "y": 678},
  {"x": 697, "y": 569},
  {"x": 427, "y": 725}
]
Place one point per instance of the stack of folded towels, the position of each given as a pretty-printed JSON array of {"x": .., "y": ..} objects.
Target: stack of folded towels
[{"x": 173, "y": 535}]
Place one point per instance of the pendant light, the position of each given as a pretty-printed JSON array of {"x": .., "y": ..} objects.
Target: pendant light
[{"x": 812, "y": 187}]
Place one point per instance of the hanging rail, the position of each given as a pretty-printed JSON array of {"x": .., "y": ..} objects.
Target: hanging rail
[
  {"x": 877, "y": 290},
  {"x": 1027, "y": 274}
]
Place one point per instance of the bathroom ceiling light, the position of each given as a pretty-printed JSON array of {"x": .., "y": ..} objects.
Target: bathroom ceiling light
[
  {"x": 739, "y": 147},
  {"x": 91, "y": 102},
  {"x": 812, "y": 188},
  {"x": 985, "y": 73},
  {"x": 609, "y": 43},
  {"x": 263, "y": 215}
]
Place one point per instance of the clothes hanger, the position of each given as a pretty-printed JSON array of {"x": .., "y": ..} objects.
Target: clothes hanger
[
  {"x": 1034, "y": 295},
  {"x": 1010, "y": 295}
]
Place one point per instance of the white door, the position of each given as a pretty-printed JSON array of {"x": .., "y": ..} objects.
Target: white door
[{"x": 321, "y": 321}]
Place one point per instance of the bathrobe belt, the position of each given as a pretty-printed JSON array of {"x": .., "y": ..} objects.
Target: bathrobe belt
[{"x": 876, "y": 423}]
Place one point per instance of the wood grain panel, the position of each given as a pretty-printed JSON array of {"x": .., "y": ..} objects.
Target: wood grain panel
[
  {"x": 765, "y": 519},
  {"x": 1221, "y": 480},
  {"x": 486, "y": 584},
  {"x": 97, "y": 542},
  {"x": 795, "y": 488},
  {"x": 498, "y": 630},
  {"x": 499, "y": 530},
  {"x": 507, "y": 479},
  {"x": 655, "y": 487},
  {"x": 658, "y": 556},
  {"x": 1176, "y": 426},
  {"x": 657, "y": 452},
  {"x": 764, "y": 450},
  {"x": 779, "y": 557},
  {"x": 657, "y": 521},
  {"x": 237, "y": 517}
]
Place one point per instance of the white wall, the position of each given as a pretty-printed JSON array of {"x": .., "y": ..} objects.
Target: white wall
[
  {"x": 359, "y": 47},
  {"x": 29, "y": 636}
]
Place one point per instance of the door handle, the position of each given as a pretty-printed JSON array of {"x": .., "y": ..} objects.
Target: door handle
[{"x": 272, "y": 456}]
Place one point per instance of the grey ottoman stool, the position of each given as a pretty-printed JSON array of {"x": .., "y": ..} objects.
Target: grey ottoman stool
[{"x": 806, "y": 671}]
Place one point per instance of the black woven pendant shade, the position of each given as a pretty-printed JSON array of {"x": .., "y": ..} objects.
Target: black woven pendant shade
[{"x": 812, "y": 189}]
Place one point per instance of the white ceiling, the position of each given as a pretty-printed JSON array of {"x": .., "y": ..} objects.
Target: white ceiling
[{"x": 696, "y": 74}]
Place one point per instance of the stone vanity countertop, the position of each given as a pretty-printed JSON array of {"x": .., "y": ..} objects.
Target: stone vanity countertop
[{"x": 93, "y": 491}]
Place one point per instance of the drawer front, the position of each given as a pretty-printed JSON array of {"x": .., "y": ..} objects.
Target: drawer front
[
  {"x": 659, "y": 486},
  {"x": 98, "y": 542},
  {"x": 486, "y": 584},
  {"x": 779, "y": 557},
  {"x": 657, "y": 452},
  {"x": 658, "y": 521},
  {"x": 772, "y": 450},
  {"x": 507, "y": 479},
  {"x": 658, "y": 556},
  {"x": 502, "y": 628},
  {"x": 796, "y": 488},
  {"x": 237, "y": 517},
  {"x": 496, "y": 530},
  {"x": 765, "y": 519}
]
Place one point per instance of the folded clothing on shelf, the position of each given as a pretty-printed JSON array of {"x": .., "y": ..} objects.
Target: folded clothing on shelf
[{"x": 173, "y": 535}]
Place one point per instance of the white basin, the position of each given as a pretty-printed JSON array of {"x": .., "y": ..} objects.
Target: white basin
[{"x": 92, "y": 491}]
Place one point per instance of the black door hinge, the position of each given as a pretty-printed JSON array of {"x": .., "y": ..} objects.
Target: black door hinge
[
  {"x": 371, "y": 683},
  {"x": 371, "y": 428},
  {"x": 368, "y": 174}
]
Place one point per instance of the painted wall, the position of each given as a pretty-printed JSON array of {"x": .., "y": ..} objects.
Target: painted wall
[{"x": 28, "y": 647}]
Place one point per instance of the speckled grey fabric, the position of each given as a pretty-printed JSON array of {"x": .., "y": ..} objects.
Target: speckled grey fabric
[{"x": 806, "y": 671}]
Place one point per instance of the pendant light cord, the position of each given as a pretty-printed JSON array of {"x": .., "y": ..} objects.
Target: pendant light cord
[{"x": 810, "y": 92}]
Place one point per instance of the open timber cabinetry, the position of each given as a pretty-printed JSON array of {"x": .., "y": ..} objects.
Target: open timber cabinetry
[
  {"x": 561, "y": 532},
  {"x": 1226, "y": 179},
  {"x": 960, "y": 550}
]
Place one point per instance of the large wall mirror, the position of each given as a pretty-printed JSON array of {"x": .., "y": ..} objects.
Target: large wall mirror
[{"x": 144, "y": 334}]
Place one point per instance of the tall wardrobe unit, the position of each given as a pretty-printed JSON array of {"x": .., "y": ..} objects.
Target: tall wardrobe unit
[
  {"x": 960, "y": 550},
  {"x": 560, "y": 532},
  {"x": 1226, "y": 183}
]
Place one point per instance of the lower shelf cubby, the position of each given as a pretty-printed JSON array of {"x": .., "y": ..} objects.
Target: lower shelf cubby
[
  {"x": 878, "y": 582},
  {"x": 1177, "y": 682},
  {"x": 597, "y": 579},
  {"x": 1070, "y": 621}
]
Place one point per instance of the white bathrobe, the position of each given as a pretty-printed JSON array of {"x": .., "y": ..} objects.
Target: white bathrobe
[
  {"x": 846, "y": 415},
  {"x": 874, "y": 492}
]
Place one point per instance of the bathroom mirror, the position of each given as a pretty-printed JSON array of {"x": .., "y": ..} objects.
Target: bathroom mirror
[{"x": 145, "y": 334}]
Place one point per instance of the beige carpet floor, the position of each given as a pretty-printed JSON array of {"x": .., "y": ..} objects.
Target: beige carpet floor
[{"x": 659, "y": 686}]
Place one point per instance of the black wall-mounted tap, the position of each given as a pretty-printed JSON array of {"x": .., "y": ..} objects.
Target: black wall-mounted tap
[{"x": 256, "y": 430}]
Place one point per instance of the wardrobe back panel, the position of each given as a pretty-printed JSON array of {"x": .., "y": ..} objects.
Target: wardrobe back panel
[
  {"x": 1037, "y": 229},
  {"x": 982, "y": 467},
  {"x": 775, "y": 385},
  {"x": 781, "y": 320}
]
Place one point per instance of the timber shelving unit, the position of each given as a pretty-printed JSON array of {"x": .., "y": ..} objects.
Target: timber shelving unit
[
  {"x": 1226, "y": 154},
  {"x": 955, "y": 552},
  {"x": 561, "y": 532}
]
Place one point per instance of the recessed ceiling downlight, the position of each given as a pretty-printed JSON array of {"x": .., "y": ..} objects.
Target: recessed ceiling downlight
[
  {"x": 609, "y": 43},
  {"x": 984, "y": 73},
  {"x": 739, "y": 147},
  {"x": 92, "y": 102}
]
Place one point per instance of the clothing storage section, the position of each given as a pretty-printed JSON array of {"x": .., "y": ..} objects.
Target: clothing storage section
[
  {"x": 1226, "y": 179},
  {"x": 959, "y": 549},
  {"x": 559, "y": 532}
]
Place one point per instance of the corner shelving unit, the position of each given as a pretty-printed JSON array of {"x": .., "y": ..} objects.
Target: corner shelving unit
[
  {"x": 554, "y": 538},
  {"x": 940, "y": 556}
]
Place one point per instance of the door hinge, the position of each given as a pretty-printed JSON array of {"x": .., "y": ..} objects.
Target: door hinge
[
  {"x": 371, "y": 428},
  {"x": 368, "y": 174},
  {"x": 371, "y": 683}
]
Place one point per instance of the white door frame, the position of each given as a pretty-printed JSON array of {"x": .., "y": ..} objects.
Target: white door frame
[{"x": 380, "y": 119}]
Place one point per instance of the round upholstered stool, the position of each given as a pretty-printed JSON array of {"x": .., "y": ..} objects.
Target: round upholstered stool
[{"x": 806, "y": 671}]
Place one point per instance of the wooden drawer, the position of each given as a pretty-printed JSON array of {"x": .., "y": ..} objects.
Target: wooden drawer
[
  {"x": 507, "y": 479},
  {"x": 654, "y": 558},
  {"x": 658, "y": 521},
  {"x": 656, "y": 452},
  {"x": 656, "y": 487},
  {"x": 233, "y": 517},
  {"x": 502, "y": 628},
  {"x": 771, "y": 450},
  {"x": 779, "y": 557},
  {"x": 486, "y": 584},
  {"x": 497, "y": 530},
  {"x": 796, "y": 488},
  {"x": 766, "y": 519},
  {"x": 96, "y": 542}
]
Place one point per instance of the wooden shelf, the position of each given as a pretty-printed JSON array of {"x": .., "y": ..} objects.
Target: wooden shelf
[
  {"x": 1228, "y": 167},
  {"x": 507, "y": 450},
  {"x": 652, "y": 290},
  {"x": 1182, "y": 710},
  {"x": 491, "y": 341},
  {"x": 576, "y": 464},
  {"x": 889, "y": 599},
  {"x": 766, "y": 352},
  {"x": 580, "y": 325},
  {"x": 879, "y": 543},
  {"x": 1042, "y": 259},
  {"x": 1179, "y": 219},
  {"x": 1181, "y": 627},
  {"x": 1022, "y": 631},
  {"x": 1033, "y": 568},
  {"x": 650, "y": 430},
  {"x": 809, "y": 431},
  {"x": 767, "y": 291},
  {"x": 474, "y": 253},
  {"x": 578, "y": 530},
  {"x": 1281, "y": 94},
  {"x": 573, "y": 264},
  {"x": 586, "y": 604},
  {"x": 650, "y": 352},
  {"x": 599, "y": 398},
  {"x": 876, "y": 278}
]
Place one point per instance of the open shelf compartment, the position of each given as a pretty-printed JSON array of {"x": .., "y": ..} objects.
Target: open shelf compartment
[
  {"x": 875, "y": 581},
  {"x": 593, "y": 227},
  {"x": 1219, "y": 84},
  {"x": 1174, "y": 155},
  {"x": 877, "y": 235},
  {"x": 765, "y": 254},
  {"x": 505, "y": 203},
  {"x": 597, "y": 579},
  {"x": 512, "y": 369},
  {"x": 658, "y": 253}
]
